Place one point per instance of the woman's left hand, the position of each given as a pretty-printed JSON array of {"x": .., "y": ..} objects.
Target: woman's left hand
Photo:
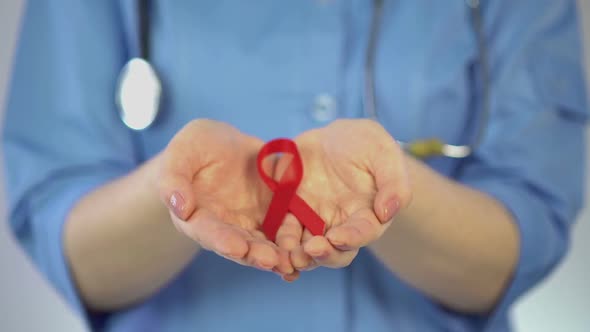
[{"x": 355, "y": 178}]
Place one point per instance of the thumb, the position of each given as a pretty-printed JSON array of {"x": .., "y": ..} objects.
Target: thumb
[
  {"x": 176, "y": 192},
  {"x": 392, "y": 180}
]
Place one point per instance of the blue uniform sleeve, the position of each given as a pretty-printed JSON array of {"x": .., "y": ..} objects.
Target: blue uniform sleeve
[
  {"x": 532, "y": 155},
  {"x": 62, "y": 137}
]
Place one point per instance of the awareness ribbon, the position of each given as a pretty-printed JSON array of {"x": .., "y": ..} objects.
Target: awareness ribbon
[{"x": 285, "y": 198}]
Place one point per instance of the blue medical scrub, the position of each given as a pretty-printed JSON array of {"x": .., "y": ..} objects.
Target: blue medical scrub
[{"x": 278, "y": 68}]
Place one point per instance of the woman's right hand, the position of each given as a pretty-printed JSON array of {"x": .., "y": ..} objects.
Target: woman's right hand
[{"x": 209, "y": 181}]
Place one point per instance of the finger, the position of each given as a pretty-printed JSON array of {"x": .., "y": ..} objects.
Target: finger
[
  {"x": 291, "y": 277},
  {"x": 230, "y": 241},
  {"x": 393, "y": 185},
  {"x": 284, "y": 266},
  {"x": 359, "y": 230},
  {"x": 257, "y": 234},
  {"x": 262, "y": 255},
  {"x": 289, "y": 233},
  {"x": 317, "y": 246},
  {"x": 302, "y": 261},
  {"x": 306, "y": 235},
  {"x": 324, "y": 254},
  {"x": 215, "y": 235}
]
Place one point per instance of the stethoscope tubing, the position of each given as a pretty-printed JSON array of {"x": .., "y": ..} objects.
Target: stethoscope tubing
[{"x": 423, "y": 148}]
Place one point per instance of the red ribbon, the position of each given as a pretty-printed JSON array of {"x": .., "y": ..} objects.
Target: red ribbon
[{"x": 285, "y": 197}]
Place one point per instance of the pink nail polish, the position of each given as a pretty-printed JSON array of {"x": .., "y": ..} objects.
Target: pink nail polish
[
  {"x": 342, "y": 247},
  {"x": 177, "y": 204},
  {"x": 336, "y": 242},
  {"x": 390, "y": 210},
  {"x": 321, "y": 255}
]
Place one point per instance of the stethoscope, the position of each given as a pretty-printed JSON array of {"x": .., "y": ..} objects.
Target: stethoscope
[{"x": 139, "y": 88}]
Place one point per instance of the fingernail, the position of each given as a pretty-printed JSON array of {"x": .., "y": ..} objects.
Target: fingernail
[
  {"x": 339, "y": 244},
  {"x": 284, "y": 269},
  {"x": 307, "y": 268},
  {"x": 290, "y": 270},
  {"x": 317, "y": 254},
  {"x": 234, "y": 255},
  {"x": 336, "y": 242},
  {"x": 342, "y": 247},
  {"x": 263, "y": 265},
  {"x": 289, "y": 277},
  {"x": 321, "y": 256},
  {"x": 177, "y": 204},
  {"x": 390, "y": 210}
]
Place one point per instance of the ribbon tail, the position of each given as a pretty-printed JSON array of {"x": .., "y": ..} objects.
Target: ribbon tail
[{"x": 307, "y": 216}]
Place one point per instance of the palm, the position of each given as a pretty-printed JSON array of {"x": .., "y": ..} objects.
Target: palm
[
  {"x": 334, "y": 184},
  {"x": 213, "y": 165},
  {"x": 354, "y": 178},
  {"x": 228, "y": 186}
]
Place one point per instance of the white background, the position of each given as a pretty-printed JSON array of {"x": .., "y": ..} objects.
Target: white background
[{"x": 27, "y": 303}]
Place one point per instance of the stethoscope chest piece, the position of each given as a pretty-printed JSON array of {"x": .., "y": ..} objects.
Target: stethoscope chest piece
[{"x": 138, "y": 94}]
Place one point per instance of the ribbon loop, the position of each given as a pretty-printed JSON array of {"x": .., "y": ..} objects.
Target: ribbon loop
[{"x": 285, "y": 198}]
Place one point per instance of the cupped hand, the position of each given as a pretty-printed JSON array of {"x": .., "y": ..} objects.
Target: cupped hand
[
  {"x": 210, "y": 183},
  {"x": 355, "y": 178}
]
